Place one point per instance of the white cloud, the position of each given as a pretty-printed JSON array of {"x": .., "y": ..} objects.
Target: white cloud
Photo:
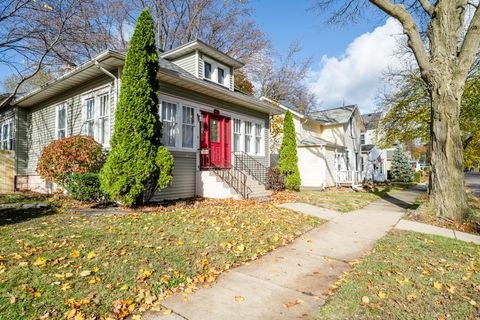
[{"x": 356, "y": 76}]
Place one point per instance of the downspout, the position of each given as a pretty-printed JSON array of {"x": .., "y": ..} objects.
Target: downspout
[{"x": 108, "y": 73}]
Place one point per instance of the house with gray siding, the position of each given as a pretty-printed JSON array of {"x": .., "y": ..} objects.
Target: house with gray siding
[{"x": 219, "y": 137}]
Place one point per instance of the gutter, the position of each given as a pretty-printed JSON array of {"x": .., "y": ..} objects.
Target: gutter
[{"x": 111, "y": 75}]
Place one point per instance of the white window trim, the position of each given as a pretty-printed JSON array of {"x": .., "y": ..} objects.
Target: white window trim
[
  {"x": 95, "y": 94},
  {"x": 214, "y": 74},
  {"x": 10, "y": 132},
  {"x": 199, "y": 107},
  {"x": 57, "y": 108},
  {"x": 179, "y": 121}
]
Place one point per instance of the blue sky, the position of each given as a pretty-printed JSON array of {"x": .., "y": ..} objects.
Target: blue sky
[{"x": 348, "y": 60}]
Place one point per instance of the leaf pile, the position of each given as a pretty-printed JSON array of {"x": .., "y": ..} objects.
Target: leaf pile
[{"x": 75, "y": 266}]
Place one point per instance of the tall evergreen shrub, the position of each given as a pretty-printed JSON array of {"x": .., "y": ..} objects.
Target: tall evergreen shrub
[
  {"x": 288, "y": 162},
  {"x": 138, "y": 164},
  {"x": 401, "y": 168}
]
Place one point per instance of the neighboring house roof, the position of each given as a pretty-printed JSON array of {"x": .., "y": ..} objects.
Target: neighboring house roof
[
  {"x": 195, "y": 45},
  {"x": 371, "y": 120},
  {"x": 334, "y": 116},
  {"x": 367, "y": 147},
  {"x": 168, "y": 72}
]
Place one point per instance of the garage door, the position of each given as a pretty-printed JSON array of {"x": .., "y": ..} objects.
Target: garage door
[{"x": 311, "y": 164}]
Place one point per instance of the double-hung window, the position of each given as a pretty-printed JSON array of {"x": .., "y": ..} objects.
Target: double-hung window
[
  {"x": 258, "y": 138},
  {"x": 237, "y": 134},
  {"x": 169, "y": 119},
  {"x": 61, "y": 121},
  {"x": 6, "y": 135},
  {"x": 90, "y": 117},
  {"x": 103, "y": 121},
  {"x": 221, "y": 75},
  {"x": 248, "y": 136},
  {"x": 188, "y": 126},
  {"x": 208, "y": 70}
]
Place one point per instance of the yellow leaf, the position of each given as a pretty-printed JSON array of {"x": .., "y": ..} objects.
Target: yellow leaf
[
  {"x": 365, "y": 300},
  {"x": 85, "y": 273},
  {"x": 180, "y": 242},
  {"x": 239, "y": 298},
  {"x": 91, "y": 255},
  {"x": 124, "y": 287},
  {"x": 451, "y": 288},
  {"x": 167, "y": 312},
  {"x": 241, "y": 247},
  {"x": 382, "y": 295},
  {"x": 473, "y": 303},
  {"x": 40, "y": 261},
  {"x": 411, "y": 297},
  {"x": 75, "y": 254},
  {"x": 437, "y": 285},
  {"x": 16, "y": 256},
  {"x": 23, "y": 264},
  {"x": 37, "y": 294},
  {"x": 66, "y": 286}
]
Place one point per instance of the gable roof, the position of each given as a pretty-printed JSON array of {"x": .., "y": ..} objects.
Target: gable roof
[
  {"x": 205, "y": 48},
  {"x": 168, "y": 72},
  {"x": 371, "y": 120},
  {"x": 334, "y": 116}
]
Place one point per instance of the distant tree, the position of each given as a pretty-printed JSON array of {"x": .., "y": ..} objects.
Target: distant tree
[
  {"x": 138, "y": 164},
  {"x": 401, "y": 169},
  {"x": 288, "y": 162},
  {"x": 11, "y": 82},
  {"x": 242, "y": 83}
]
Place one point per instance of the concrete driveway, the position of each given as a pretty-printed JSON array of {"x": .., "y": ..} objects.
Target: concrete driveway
[{"x": 472, "y": 181}]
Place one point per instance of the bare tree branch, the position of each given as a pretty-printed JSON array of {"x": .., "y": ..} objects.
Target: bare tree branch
[{"x": 427, "y": 6}]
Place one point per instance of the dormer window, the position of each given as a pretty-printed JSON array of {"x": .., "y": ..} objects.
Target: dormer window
[
  {"x": 208, "y": 70},
  {"x": 221, "y": 75},
  {"x": 216, "y": 72}
]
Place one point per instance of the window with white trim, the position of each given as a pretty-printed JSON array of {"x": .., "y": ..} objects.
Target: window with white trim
[
  {"x": 237, "y": 134},
  {"x": 216, "y": 72},
  {"x": 258, "y": 138},
  {"x": 103, "y": 119},
  {"x": 61, "y": 121},
  {"x": 248, "y": 137},
  {"x": 90, "y": 117},
  {"x": 169, "y": 120},
  {"x": 6, "y": 135},
  {"x": 188, "y": 126}
]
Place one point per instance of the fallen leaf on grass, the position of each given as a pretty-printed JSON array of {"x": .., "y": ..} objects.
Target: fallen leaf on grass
[
  {"x": 437, "y": 285},
  {"x": 365, "y": 300},
  {"x": 382, "y": 295},
  {"x": 91, "y": 255},
  {"x": 411, "y": 297},
  {"x": 75, "y": 254},
  {"x": 85, "y": 273},
  {"x": 40, "y": 262}
]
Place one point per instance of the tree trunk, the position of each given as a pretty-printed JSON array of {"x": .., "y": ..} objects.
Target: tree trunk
[{"x": 447, "y": 178}]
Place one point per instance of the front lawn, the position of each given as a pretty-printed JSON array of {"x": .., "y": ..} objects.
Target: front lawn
[
  {"x": 426, "y": 214},
  {"x": 344, "y": 200},
  {"x": 22, "y": 197},
  {"x": 410, "y": 275},
  {"x": 67, "y": 265}
]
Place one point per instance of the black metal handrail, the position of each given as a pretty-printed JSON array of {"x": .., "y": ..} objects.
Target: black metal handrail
[
  {"x": 250, "y": 165},
  {"x": 235, "y": 179}
]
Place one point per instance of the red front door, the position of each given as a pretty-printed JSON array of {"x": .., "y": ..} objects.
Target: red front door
[{"x": 215, "y": 142}]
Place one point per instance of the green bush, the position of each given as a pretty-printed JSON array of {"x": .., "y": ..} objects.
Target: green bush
[
  {"x": 275, "y": 179},
  {"x": 85, "y": 187},
  {"x": 417, "y": 177},
  {"x": 138, "y": 164},
  {"x": 288, "y": 154},
  {"x": 401, "y": 169}
]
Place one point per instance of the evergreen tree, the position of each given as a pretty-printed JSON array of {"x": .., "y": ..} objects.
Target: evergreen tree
[
  {"x": 138, "y": 164},
  {"x": 288, "y": 154},
  {"x": 401, "y": 168}
]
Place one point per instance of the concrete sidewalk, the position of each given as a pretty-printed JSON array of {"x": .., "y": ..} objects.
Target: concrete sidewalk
[
  {"x": 288, "y": 283},
  {"x": 429, "y": 229}
]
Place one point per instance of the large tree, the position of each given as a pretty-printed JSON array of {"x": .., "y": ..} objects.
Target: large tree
[
  {"x": 407, "y": 114},
  {"x": 444, "y": 37},
  {"x": 138, "y": 164}
]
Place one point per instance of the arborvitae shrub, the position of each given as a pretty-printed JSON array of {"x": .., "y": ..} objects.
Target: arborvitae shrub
[
  {"x": 288, "y": 162},
  {"x": 138, "y": 164},
  {"x": 401, "y": 169}
]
